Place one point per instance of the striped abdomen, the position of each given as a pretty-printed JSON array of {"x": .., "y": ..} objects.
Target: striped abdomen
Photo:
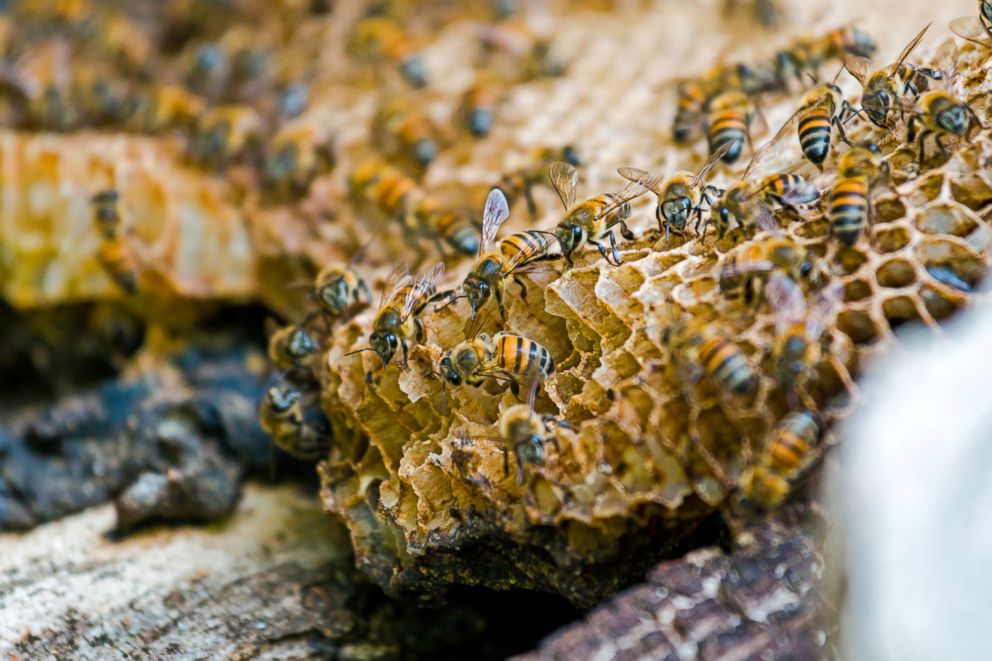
[
  {"x": 726, "y": 365},
  {"x": 727, "y": 127},
  {"x": 456, "y": 231},
  {"x": 524, "y": 247},
  {"x": 619, "y": 213},
  {"x": 782, "y": 185},
  {"x": 913, "y": 80},
  {"x": 848, "y": 210},
  {"x": 741, "y": 266},
  {"x": 519, "y": 356},
  {"x": 392, "y": 191},
  {"x": 791, "y": 443},
  {"x": 814, "y": 134},
  {"x": 687, "y": 116}
]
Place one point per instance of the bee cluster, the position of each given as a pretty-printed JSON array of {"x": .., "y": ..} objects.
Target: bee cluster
[{"x": 550, "y": 386}]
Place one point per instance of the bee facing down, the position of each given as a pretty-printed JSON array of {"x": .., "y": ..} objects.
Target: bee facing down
[
  {"x": 789, "y": 451},
  {"x": 593, "y": 220},
  {"x": 704, "y": 350},
  {"x": 940, "y": 114},
  {"x": 291, "y": 427}
]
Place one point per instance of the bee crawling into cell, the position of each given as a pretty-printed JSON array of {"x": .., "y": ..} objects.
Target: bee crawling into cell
[
  {"x": 291, "y": 348},
  {"x": 593, "y": 220},
  {"x": 340, "y": 292},
  {"x": 116, "y": 252},
  {"x": 791, "y": 448},
  {"x": 299, "y": 430},
  {"x": 849, "y": 208},
  {"x": 525, "y": 434},
  {"x": 701, "y": 348}
]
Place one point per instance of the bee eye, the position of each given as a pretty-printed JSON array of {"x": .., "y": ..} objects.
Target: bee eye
[{"x": 725, "y": 214}]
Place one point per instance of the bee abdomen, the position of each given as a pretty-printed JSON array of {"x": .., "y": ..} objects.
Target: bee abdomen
[
  {"x": 728, "y": 128},
  {"x": 457, "y": 232},
  {"x": 814, "y": 135},
  {"x": 848, "y": 210},
  {"x": 531, "y": 243},
  {"x": 791, "y": 443},
  {"x": 728, "y": 366}
]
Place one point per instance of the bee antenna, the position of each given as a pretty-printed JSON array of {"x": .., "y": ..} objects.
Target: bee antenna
[
  {"x": 352, "y": 353},
  {"x": 813, "y": 78},
  {"x": 837, "y": 75},
  {"x": 444, "y": 397}
]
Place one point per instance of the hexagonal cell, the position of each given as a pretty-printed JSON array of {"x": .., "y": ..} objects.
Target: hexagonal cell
[
  {"x": 939, "y": 305},
  {"x": 930, "y": 185},
  {"x": 857, "y": 290},
  {"x": 955, "y": 259},
  {"x": 888, "y": 209},
  {"x": 850, "y": 259},
  {"x": 971, "y": 190},
  {"x": 813, "y": 229},
  {"x": 946, "y": 219},
  {"x": 898, "y": 310},
  {"x": 858, "y": 325},
  {"x": 890, "y": 238},
  {"x": 895, "y": 273}
]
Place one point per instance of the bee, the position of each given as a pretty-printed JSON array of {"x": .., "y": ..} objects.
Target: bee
[
  {"x": 523, "y": 181},
  {"x": 697, "y": 97},
  {"x": 526, "y": 435},
  {"x": 478, "y": 106},
  {"x": 340, "y": 291},
  {"x": 163, "y": 107},
  {"x": 789, "y": 452},
  {"x": 893, "y": 82},
  {"x": 508, "y": 258},
  {"x": 748, "y": 202},
  {"x": 823, "y": 109},
  {"x": 378, "y": 38},
  {"x": 806, "y": 55},
  {"x": 397, "y": 321},
  {"x": 296, "y": 155},
  {"x": 976, "y": 30},
  {"x": 850, "y": 204},
  {"x": 402, "y": 128},
  {"x": 225, "y": 133},
  {"x": 940, "y": 114},
  {"x": 503, "y": 357},
  {"x": 429, "y": 218},
  {"x": 798, "y": 331},
  {"x": 745, "y": 269},
  {"x": 766, "y": 12},
  {"x": 291, "y": 428},
  {"x": 291, "y": 347},
  {"x": 728, "y": 123},
  {"x": 106, "y": 214},
  {"x": 703, "y": 348},
  {"x": 593, "y": 220},
  {"x": 119, "y": 261},
  {"x": 689, "y": 111},
  {"x": 679, "y": 195}
]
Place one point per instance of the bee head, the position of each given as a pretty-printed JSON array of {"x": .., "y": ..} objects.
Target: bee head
[
  {"x": 477, "y": 292},
  {"x": 301, "y": 343},
  {"x": 449, "y": 373},
  {"x": 424, "y": 150},
  {"x": 281, "y": 398},
  {"x": 876, "y": 106},
  {"x": 676, "y": 211},
  {"x": 413, "y": 71},
  {"x": 334, "y": 296},
  {"x": 953, "y": 120},
  {"x": 860, "y": 43},
  {"x": 571, "y": 156},
  {"x": 384, "y": 344},
  {"x": 480, "y": 122},
  {"x": 531, "y": 450}
]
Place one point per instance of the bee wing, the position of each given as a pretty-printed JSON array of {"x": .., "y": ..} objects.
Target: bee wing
[
  {"x": 564, "y": 177},
  {"x": 787, "y": 300},
  {"x": 765, "y": 219},
  {"x": 824, "y": 304},
  {"x": 767, "y": 150},
  {"x": 422, "y": 287},
  {"x": 641, "y": 177},
  {"x": 971, "y": 29},
  {"x": 910, "y": 46},
  {"x": 626, "y": 194},
  {"x": 713, "y": 159},
  {"x": 804, "y": 193},
  {"x": 544, "y": 240},
  {"x": 398, "y": 278},
  {"x": 858, "y": 67},
  {"x": 496, "y": 211}
]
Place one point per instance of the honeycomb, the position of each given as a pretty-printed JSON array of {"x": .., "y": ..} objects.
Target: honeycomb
[{"x": 650, "y": 454}]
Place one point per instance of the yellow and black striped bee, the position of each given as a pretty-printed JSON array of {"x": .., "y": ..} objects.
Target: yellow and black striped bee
[
  {"x": 293, "y": 429},
  {"x": 788, "y": 453},
  {"x": 689, "y": 111},
  {"x": 728, "y": 124},
  {"x": 893, "y": 82},
  {"x": 679, "y": 195},
  {"x": 977, "y": 30},
  {"x": 697, "y": 96},
  {"x": 432, "y": 219},
  {"x": 823, "y": 109},
  {"x": 508, "y": 258},
  {"x": 523, "y": 181},
  {"x": 226, "y": 133},
  {"x": 503, "y": 357},
  {"x": 402, "y": 129},
  {"x": 397, "y": 322},
  {"x": 798, "y": 331},
  {"x": 745, "y": 269},
  {"x": 524, "y": 433},
  {"x": 295, "y": 156},
  {"x": 808, "y": 54},
  {"x": 593, "y": 220},
  {"x": 340, "y": 292},
  {"x": 703, "y": 349},
  {"x": 849, "y": 205},
  {"x": 291, "y": 347},
  {"x": 162, "y": 107},
  {"x": 378, "y": 38},
  {"x": 478, "y": 106},
  {"x": 748, "y": 203},
  {"x": 940, "y": 114}
]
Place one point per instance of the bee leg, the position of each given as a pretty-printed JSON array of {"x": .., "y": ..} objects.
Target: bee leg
[
  {"x": 602, "y": 251},
  {"x": 515, "y": 388},
  {"x": 368, "y": 378},
  {"x": 923, "y": 138},
  {"x": 661, "y": 223},
  {"x": 625, "y": 232},
  {"x": 523, "y": 287},
  {"x": 520, "y": 466},
  {"x": 506, "y": 462},
  {"x": 943, "y": 148},
  {"x": 554, "y": 442},
  {"x": 499, "y": 303},
  {"x": 406, "y": 349}
]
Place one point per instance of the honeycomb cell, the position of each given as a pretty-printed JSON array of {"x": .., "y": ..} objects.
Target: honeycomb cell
[
  {"x": 946, "y": 219},
  {"x": 895, "y": 273},
  {"x": 851, "y": 259},
  {"x": 891, "y": 238},
  {"x": 857, "y": 290},
  {"x": 900, "y": 309},
  {"x": 939, "y": 304},
  {"x": 858, "y": 325},
  {"x": 888, "y": 209},
  {"x": 952, "y": 255}
]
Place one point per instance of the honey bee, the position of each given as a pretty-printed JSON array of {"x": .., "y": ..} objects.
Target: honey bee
[
  {"x": 704, "y": 350},
  {"x": 940, "y": 114},
  {"x": 340, "y": 292},
  {"x": 119, "y": 261},
  {"x": 593, "y": 220},
  {"x": 697, "y": 97},
  {"x": 728, "y": 123},
  {"x": 397, "y": 321},
  {"x": 749, "y": 202},
  {"x": 850, "y": 203},
  {"x": 679, "y": 195},
  {"x": 893, "y": 82},
  {"x": 429, "y": 218},
  {"x": 402, "y": 128},
  {"x": 976, "y": 30},
  {"x": 789, "y": 452},
  {"x": 296, "y": 155},
  {"x": 823, "y": 109},
  {"x": 226, "y": 133},
  {"x": 766, "y": 12},
  {"x": 106, "y": 215},
  {"x": 526, "y": 434},
  {"x": 378, "y": 38},
  {"x": 508, "y": 258},
  {"x": 689, "y": 111},
  {"x": 290, "y": 427},
  {"x": 290, "y": 348},
  {"x": 523, "y": 181},
  {"x": 163, "y": 107},
  {"x": 503, "y": 357},
  {"x": 807, "y": 54},
  {"x": 745, "y": 269},
  {"x": 478, "y": 106},
  {"x": 798, "y": 331}
]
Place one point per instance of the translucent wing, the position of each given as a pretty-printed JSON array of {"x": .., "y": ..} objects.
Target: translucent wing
[
  {"x": 768, "y": 151},
  {"x": 564, "y": 178},
  {"x": 857, "y": 67},
  {"x": 625, "y": 194},
  {"x": 971, "y": 29},
  {"x": 764, "y": 219},
  {"x": 423, "y": 287},
  {"x": 713, "y": 159},
  {"x": 737, "y": 269},
  {"x": 496, "y": 211},
  {"x": 641, "y": 177},
  {"x": 824, "y": 304},
  {"x": 787, "y": 299},
  {"x": 803, "y": 193},
  {"x": 911, "y": 45},
  {"x": 398, "y": 278}
]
